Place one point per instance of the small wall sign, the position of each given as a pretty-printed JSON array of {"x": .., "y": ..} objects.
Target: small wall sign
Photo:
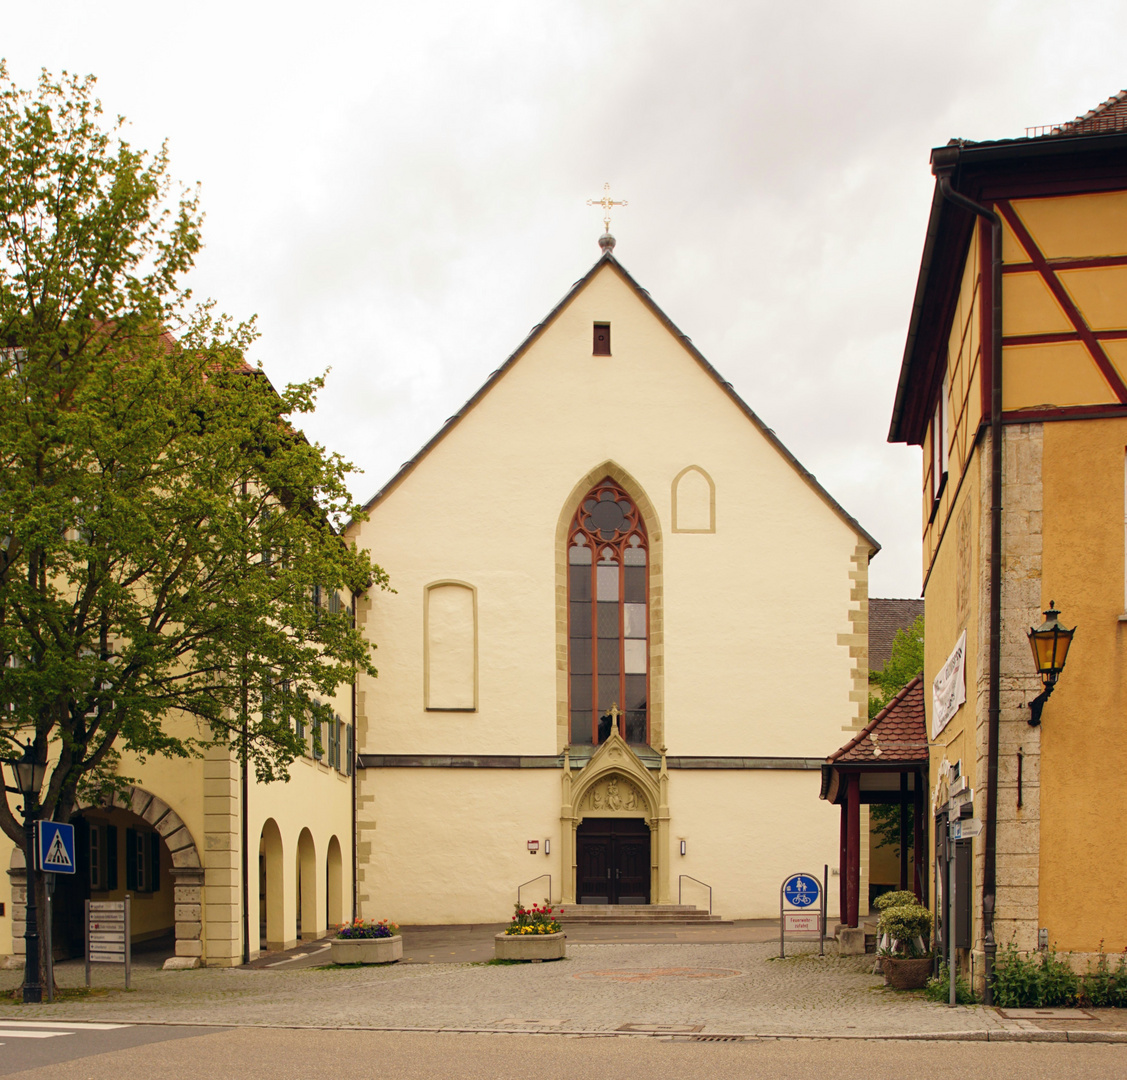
[{"x": 533, "y": 847}]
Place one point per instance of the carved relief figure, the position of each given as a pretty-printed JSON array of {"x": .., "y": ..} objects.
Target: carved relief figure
[
  {"x": 596, "y": 799},
  {"x": 614, "y": 800}
]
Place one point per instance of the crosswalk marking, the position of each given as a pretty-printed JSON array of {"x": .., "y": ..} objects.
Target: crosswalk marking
[
  {"x": 77, "y": 1025},
  {"x": 47, "y": 1029},
  {"x": 9, "y": 1034}
]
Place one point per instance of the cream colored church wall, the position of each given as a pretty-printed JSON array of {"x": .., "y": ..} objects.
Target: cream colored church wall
[
  {"x": 450, "y": 845},
  {"x": 482, "y": 508},
  {"x": 745, "y": 833}
]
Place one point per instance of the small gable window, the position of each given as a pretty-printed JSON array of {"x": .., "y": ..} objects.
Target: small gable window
[
  {"x": 608, "y": 593},
  {"x": 602, "y": 339}
]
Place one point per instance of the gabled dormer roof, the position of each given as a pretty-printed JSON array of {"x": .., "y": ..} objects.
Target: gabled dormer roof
[{"x": 607, "y": 260}]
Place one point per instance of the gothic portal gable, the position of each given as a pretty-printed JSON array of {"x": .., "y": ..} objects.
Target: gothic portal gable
[{"x": 615, "y": 783}]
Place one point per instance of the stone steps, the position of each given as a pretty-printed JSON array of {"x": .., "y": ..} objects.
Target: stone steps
[{"x": 637, "y": 915}]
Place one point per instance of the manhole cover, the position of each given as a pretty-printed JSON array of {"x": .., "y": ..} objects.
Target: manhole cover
[
  {"x": 662, "y": 1029},
  {"x": 1046, "y": 1014},
  {"x": 650, "y": 974}
]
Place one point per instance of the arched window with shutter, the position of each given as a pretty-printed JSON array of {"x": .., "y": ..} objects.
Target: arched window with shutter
[{"x": 608, "y": 617}]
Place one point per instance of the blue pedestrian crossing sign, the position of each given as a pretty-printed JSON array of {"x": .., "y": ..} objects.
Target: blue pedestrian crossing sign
[
  {"x": 56, "y": 847},
  {"x": 801, "y": 890}
]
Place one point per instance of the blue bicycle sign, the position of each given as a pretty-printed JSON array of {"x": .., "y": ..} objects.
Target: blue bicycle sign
[{"x": 801, "y": 890}]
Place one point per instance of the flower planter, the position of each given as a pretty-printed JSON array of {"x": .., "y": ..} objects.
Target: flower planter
[
  {"x": 366, "y": 950},
  {"x": 902, "y": 973},
  {"x": 534, "y": 947}
]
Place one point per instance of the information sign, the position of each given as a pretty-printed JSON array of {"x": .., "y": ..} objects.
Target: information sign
[
  {"x": 802, "y": 922},
  {"x": 801, "y": 890},
  {"x": 966, "y": 828},
  {"x": 802, "y": 908},
  {"x": 107, "y": 935},
  {"x": 56, "y": 847}
]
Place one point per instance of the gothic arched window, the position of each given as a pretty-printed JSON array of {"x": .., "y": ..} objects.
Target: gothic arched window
[{"x": 608, "y": 648}]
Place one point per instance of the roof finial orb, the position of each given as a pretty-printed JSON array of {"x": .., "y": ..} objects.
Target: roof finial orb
[{"x": 606, "y": 241}]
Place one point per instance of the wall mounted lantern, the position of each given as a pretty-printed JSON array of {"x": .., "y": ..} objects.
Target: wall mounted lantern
[{"x": 1050, "y": 642}]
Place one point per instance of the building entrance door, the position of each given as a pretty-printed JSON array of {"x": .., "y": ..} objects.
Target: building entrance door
[{"x": 612, "y": 861}]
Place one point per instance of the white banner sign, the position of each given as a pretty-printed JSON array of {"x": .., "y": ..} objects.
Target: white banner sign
[{"x": 949, "y": 689}]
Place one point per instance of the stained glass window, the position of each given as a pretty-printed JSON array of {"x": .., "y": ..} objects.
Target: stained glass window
[{"x": 608, "y": 646}]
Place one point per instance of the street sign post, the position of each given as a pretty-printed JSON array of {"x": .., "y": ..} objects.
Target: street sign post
[
  {"x": 802, "y": 909},
  {"x": 107, "y": 935},
  {"x": 55, "y": 853}
]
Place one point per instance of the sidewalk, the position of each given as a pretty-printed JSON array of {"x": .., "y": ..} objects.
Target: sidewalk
[{"x": 677, "y": 987}]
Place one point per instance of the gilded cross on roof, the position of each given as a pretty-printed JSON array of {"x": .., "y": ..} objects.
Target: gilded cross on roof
[{"x": 606, "y": 202}]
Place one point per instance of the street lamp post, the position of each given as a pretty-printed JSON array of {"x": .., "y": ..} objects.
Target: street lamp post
[{"x": 28, "y": 774}]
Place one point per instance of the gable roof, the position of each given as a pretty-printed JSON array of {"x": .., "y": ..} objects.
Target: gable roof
[
  {"x": 897, "y": 734},
  {"x": 608, "y": 260},
  {"x": 1085, "y": 154},
  {"x": 886, "y": 617}
]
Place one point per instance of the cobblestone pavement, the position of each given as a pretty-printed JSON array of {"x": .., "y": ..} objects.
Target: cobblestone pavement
[{"x": 729, "y": 988}]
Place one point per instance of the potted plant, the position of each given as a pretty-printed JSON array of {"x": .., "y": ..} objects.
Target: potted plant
[
  {"x": 533, "y": 934},
  {"x": 366, "y": 941},
  {"x": 904, "y": 929}
]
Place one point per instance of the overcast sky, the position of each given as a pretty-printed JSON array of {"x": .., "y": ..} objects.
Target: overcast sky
[{"x": 398, "y": 190}]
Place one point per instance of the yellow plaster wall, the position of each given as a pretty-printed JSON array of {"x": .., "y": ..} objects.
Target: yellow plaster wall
[
  {"x": 964, "y": 404},
  {"x": 945, "y": 622},
  {"x": 1075, "y": 226},
  {"x": 1083, "y": 738}
]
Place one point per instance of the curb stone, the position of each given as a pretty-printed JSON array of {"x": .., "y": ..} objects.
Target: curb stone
[{"x": 1038, "y": 1036}]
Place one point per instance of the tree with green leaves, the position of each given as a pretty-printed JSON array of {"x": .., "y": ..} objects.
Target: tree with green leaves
[
  {"x": 905, "y": 662},
  {"x": 171, "y": 563}
]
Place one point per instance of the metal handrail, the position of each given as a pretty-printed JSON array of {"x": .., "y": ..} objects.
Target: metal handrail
[
  {"x": 531, "y": 880},
  {"x": 699, "y": 882}
]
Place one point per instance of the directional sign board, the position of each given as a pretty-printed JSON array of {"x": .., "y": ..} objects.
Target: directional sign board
[
  {"x": 801, "y": 890},
  {"x": 107, "y": 935},
  {"x": 56, "y": 847}
]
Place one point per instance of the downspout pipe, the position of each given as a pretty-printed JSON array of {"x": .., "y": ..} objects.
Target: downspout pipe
[{"x": 989, "y": 876}]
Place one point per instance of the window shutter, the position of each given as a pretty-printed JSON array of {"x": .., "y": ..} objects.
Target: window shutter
[
  {"x": 131, "y": 860},
  {"x": 82, "y": 848},
  {"x": 154, "y": 861},
  {"x": 110, "y": 874},
  {"x": 351, "y": 751}
]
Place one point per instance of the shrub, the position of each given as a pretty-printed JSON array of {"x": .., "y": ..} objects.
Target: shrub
[
  {"x": 534, "y": 920},
  {"x": 1034, "y": 982},
  {"x": 907, "y": 927},
  {"x": 939, "y": 988},
  {"x": 894, "y": 899}
]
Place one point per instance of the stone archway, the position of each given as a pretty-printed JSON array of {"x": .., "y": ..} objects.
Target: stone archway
[
  {"x": 187, "y": 869},
  {"x": 615, "y": 784}
]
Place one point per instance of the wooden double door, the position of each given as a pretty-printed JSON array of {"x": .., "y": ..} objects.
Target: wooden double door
[{"x": 612, "y": 861}]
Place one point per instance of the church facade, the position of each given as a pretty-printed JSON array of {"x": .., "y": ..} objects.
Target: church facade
[{"x": 626, "y": 624}]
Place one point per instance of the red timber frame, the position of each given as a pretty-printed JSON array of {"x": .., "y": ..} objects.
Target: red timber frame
[
  {"x": 608, "y": 525},
  {"x": 1047, "y": 269}
]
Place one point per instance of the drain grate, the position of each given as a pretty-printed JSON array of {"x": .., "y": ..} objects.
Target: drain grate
[{"x": 717, "y": 1038}]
